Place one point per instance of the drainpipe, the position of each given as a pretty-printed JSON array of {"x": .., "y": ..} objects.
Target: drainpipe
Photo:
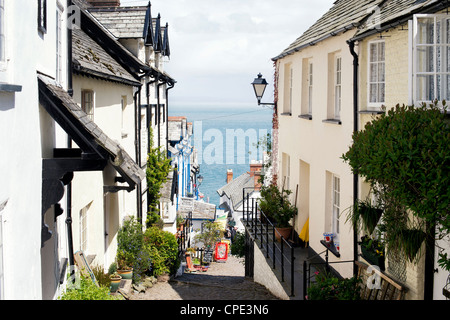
[
  {"x": 137, "y": 137},
  {"x": 167, "y": 117},
  {"x": 69, "y": 145},
  {"x": 159, "y": 113},
  {"x": 351, "y": 45}
]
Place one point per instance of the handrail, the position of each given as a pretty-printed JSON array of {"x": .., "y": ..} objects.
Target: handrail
[{"x": 251, "y": 219}]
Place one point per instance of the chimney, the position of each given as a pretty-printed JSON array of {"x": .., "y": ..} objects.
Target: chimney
[
  {"x": 229, "y": 175},
  {"x": 104, "y": 3},
  {"x": 255, "y": 172}
]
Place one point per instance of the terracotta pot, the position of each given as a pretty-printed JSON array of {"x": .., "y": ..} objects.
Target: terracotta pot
[{"x": 285, "y": 232}]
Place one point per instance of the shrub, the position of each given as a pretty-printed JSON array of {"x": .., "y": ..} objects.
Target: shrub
[
  {"x": 238, "y": 245},
  {"x": 129, "y": 243},
  {"x": 87, "y": 290},
  {"x": 162, "y": 248},
  {"x": 328, "y": 287}
]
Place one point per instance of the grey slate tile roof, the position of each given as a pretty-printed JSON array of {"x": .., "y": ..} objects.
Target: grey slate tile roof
[
  {"x": 122, "y": 22},
  {"x": 233, "y": 190},
  {"x": 91, "y": 58},
  {"x": 120, "y": 159},
  {"x": 392, "y": 10},
  {"x": 343, "y": 16}
]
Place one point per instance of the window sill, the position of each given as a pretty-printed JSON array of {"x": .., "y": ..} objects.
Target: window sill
[
  {"x": 332, "y": 121},
  {"x": 10, "y": 87},
  {"x": 371, "y": 111},
  {"x": 330, "y": 246},
  {"x": 305, "y": 116},
  {"x": 286, "y": 114}
]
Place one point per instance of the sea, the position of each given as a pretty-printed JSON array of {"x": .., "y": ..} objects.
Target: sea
[{"x": 226, "y": 137}]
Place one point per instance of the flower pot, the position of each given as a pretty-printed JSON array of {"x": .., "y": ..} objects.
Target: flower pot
[
  {"x": 372, "y": 258},
  {"x": 126, "y": 274},
  {"x": 282, "y": 232},
  {"x": 115, "y": 282}
]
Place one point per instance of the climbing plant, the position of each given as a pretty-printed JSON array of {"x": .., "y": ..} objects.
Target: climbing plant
[
  {"x": 158, "y": 168},
  {"x": 405, "y": 155}
]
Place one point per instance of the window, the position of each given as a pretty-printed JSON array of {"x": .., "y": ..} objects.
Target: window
[
  {"x": 431, "y": 56},
  {"x": 84, "y": 227},
  {"x": 124, "y": 117},
  {"x": 336, "y": 199},
  {"x": 310, "y": 87},
  {"x": 42, "y": 16},
  {"x": 307, "y": 88},
  {"x": 286, "y": 166},
  {"x": 87, "y": 103},
  {"x": 58, "y": 45},
  {"x": 376, "y": 81},
  {"x": 2, "y": 31},
  {"x": 288, "y": 82},
  {"x": 337, "y": 87}
]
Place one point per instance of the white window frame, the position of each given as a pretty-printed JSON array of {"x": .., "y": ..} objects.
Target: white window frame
[
  {"x": 59, "y": 61},
  {"x": 336, "y": 205},
  {"x": 83, "y": 225},
  {"x": 310, "y": 86},
  {"x": 444, "y": 43},
  {"x": 337, "y": 87},
  {"x": 380, "y": 83},
  {"x": 90, "y": 112}
]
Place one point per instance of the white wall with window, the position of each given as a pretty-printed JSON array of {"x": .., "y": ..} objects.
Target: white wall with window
[
  {"x": 431, "y": 57},
  {"x": 87, "y": 103},
  {"x": 334, "y": 103}
]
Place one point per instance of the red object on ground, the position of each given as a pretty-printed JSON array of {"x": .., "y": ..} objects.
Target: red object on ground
[{"x": 221, "y": 253}]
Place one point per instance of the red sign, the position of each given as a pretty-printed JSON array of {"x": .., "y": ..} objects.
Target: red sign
[{"x": 221, "y": 253}]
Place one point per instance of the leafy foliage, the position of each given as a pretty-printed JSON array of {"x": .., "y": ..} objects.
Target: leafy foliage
[
  {"x": 276, "y": 205},
  {"x": 210, "y": 234},
  {"x": 405, "y": 154},
  {"x": 238, "y": 245},
  {"x": 87, "y": 290},
  {"x": 162, "y": 247},
  {"x": 328, "y": 287},
  {"x": 129, "y": 243},
  {"x": 158, "y": 167}
]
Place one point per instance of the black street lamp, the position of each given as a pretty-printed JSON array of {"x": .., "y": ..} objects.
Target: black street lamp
[{"x": 259, "y": 85}]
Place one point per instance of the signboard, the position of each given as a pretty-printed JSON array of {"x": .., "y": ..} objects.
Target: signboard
[
  {"x": 207, "y": 256},
  {"x": 221, "y": 254}
]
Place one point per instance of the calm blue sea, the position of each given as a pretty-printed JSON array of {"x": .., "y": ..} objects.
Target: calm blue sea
[{"x": 225, "y": 138}]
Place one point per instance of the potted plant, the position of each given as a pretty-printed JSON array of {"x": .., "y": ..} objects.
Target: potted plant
[
  {"x": 125, "y": 262},
  {"x": 410, "y": 241},
  {"x": 365, "y": 213},
  {"x": 276, "y": 206},
  {"x": 373, "y": 251},
  {"x": 115, "y": 281}
]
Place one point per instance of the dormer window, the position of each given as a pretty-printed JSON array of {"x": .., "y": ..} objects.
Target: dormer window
[{"x": 42, "y": 16}]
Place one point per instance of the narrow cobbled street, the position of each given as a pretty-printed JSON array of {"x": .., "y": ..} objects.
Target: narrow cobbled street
[{"x": 222, "y": 281}]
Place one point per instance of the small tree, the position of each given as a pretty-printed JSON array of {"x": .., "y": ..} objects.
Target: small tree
[
  {"x": 405, "y": 154},
  {"x": 209, "y": 235}
]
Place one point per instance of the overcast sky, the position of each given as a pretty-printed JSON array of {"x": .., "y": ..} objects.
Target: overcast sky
[{"x": 219, "y": 46}]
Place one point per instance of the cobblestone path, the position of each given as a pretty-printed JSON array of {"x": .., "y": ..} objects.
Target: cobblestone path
[{"x": 222, "y": 281}]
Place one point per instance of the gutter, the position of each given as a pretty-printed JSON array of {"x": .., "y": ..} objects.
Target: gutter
[
  {"x": 171, "y": 85},
  {"x": 351, "y": 45}
]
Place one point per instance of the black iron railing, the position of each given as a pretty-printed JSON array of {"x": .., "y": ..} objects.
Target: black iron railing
[{"x": 279, "y": 252}]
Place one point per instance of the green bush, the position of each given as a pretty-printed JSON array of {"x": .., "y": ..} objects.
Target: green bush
[
  {"x": 162, "y": 247},
  {"x": 405, "y": 154},
  {"x": 87, "y": 290},
  {"x": 129, "y": 243},
  {"x": 328, "y": 287},
  {"x": 238, "y": 245}
]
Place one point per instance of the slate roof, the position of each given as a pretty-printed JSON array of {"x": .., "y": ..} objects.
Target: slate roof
[
  {"x": 84, "y": 131},
  {"x": 90, "y": 58},
  {"x": 122, "y": 22},
  {"x": 394, "y": 12},
  {"x": 343, "y": 16},
  {"x": 233, "y": 190}
]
